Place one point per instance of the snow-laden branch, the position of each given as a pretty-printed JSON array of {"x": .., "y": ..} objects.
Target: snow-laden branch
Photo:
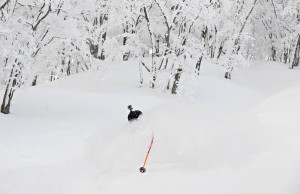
[
  {"x": 34, "y": 28},
  {"x": 4, "y": 4}
]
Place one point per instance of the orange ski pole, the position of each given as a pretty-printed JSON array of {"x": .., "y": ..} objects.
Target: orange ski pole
[{"x": 143, "y": 169}]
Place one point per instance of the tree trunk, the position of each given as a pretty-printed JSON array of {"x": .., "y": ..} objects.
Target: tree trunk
[
  {"x": 34, "y": 82},
  {"x": 152, "y": 84},
  {"x": 237, "y": 43},
  {"x": 198, "y": 65},
  {"x": 220, "y": 51},
  {"x": 9, "y": 93},
  {"x": 274, "y": 53},
  {"x": 285, "y": 55},
  {"x": 141, "y": 73},
  {"x": 69, "y": 67},
  {"x": 157, "y": 48},
  {"x": 153, "y": 69},
  {"x": 94, "y": 49},
  {"x": 296, "y": 59},
  {"x": 5, "y": 107},
  {"x": 125, "y": 38},
  {"x": 228, "y": 75},
  {"x": 176, "y": 81},
  {"x": 102, "y": 56}
]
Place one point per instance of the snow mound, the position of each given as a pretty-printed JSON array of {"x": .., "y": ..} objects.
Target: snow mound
[{"x": 281, "y": 110}]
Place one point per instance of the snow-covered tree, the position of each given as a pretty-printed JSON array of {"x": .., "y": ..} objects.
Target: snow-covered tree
[
  {"x": 27, "y": 33},
  {"x": 48, "y": 39},
  {"x": 17, "y": 44},
  {"x": 240, "y": 19}
]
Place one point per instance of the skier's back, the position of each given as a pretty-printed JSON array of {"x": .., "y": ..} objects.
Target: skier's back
[{"x": 133, "y": 114}]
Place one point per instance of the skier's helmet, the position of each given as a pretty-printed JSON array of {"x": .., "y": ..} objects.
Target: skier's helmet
[{"x": 129, "y": 107}]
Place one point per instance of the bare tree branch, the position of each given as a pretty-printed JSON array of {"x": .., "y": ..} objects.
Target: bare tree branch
[
  {"x": 41, "y": 11},
  {"x": 146, "y": 67},
  {"x": 274, "y": 8},
  {"x": 40, "y": 20},
  {"x": 38, "y": 50},
  {"x": 5, "y": 3}
]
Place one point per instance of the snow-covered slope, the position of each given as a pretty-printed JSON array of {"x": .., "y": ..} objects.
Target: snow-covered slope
[{"x": 220, "y": 136}]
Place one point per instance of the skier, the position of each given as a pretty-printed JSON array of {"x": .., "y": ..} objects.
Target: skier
[{"x": 133, "y": 114}]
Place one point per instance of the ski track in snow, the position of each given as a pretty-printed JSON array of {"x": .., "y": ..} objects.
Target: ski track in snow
[{"x": 219, "y": 137}]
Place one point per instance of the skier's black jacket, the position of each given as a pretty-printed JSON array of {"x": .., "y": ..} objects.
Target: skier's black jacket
[{"x": 133, "y": 115}]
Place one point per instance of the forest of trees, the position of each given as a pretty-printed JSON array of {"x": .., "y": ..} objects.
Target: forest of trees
[{"x": 44, "y": 40}]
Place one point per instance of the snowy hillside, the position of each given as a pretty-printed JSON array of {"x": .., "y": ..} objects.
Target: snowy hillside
[{"x": 218, "y": 136}]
